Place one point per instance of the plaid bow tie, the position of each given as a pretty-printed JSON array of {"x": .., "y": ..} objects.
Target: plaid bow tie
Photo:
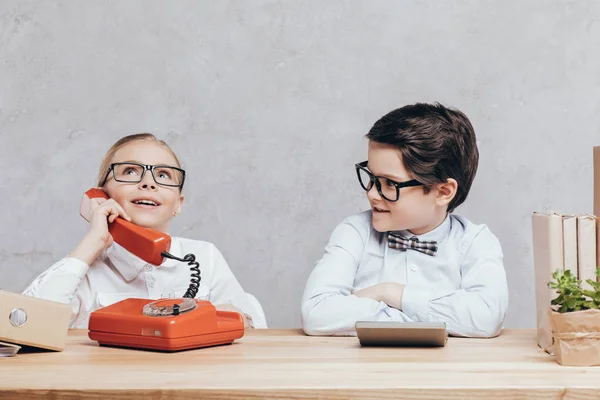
[{"x": 398, "y": 242}]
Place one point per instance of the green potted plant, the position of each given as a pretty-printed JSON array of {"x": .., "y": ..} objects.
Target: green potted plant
[{"x": 575, "y": 319}]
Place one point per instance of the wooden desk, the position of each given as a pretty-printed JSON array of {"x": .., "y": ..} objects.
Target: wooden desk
[{"x": 285, "y": 363}]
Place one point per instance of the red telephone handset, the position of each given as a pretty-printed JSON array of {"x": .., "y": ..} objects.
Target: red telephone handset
[{"x": 148, "y": 244}]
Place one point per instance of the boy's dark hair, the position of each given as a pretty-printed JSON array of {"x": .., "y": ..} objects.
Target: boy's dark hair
[{"x": 436, "y": 143}]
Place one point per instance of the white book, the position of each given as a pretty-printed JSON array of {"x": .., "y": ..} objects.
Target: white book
[
  {"x": 569, "y": 227},
  {"x": 547, "y": 258},
  {"x": 586, "y": 249}
]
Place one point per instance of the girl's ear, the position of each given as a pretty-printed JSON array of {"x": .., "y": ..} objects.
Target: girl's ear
[
  {"x": 446, "y": 192},
  {"x": 180, "y": 204}
]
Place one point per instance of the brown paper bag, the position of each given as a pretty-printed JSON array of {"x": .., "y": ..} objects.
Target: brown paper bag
[{"x": 576, "y": 337}]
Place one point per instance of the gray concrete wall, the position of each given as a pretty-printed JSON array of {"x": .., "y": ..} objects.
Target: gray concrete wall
[{"x": 267, "y": 103}]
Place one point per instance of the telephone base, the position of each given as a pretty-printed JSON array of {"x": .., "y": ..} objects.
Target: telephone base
[
  {"x": 159, "y": 344},
  {"x": 124, "y": 324}
]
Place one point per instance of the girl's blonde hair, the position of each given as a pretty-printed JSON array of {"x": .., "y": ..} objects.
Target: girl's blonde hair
[{"x": 106, "y": 161}]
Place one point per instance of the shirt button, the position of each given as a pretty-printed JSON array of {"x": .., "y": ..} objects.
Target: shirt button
[
  {"x": 148, "y": 267},
  {"x": 151, "y": 284},
  {"x": 413, "y": 268}
]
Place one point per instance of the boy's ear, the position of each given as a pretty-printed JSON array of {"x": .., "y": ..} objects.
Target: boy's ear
[{"x": 446, "y": 192}]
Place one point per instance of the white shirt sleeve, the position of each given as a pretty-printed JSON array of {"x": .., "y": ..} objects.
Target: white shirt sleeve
[
  {"x": 60, "y": 283},
  {"x": 328, "y": 306},
  {"x": 478, "y": 308},
  {"x": 225, "y": 289}
]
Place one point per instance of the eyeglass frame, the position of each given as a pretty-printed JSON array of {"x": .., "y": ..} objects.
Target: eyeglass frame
[
  {"x": 375, "y": 179},
  {"x": 146, "y": 167}
]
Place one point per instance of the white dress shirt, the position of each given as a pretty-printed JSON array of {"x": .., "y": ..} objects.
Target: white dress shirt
[
  {"x": 463, "y": 285},
  {"x": 117, "y": 275}
]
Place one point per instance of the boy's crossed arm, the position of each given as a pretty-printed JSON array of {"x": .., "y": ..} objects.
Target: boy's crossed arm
[{"x": 328, "y": 305}]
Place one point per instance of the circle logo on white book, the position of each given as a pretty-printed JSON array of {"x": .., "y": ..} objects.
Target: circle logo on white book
[{"x": 18, "y": 317}]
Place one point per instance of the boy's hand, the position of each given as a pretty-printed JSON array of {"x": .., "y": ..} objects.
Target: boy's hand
[{"x": 388, "y": 292}]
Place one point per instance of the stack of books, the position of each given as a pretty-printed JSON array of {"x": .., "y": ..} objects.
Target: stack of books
[
  {"x": 561, "y": 242},
  {"x": 564, "y": 242}
]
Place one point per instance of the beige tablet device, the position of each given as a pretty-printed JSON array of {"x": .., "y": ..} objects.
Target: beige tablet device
[{"x": 404, "y": 334}]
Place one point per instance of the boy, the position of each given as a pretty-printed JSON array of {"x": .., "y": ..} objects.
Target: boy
[{"x": 409, "y": 258}]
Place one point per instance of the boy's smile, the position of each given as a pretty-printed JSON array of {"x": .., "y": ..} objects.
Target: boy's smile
[{"x": 378, "y": 210}]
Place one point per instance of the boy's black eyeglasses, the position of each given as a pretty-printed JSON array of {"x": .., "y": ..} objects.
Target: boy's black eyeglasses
[
  {"x": 387, "y": 188},
  {"x": 130, "y": 172}
]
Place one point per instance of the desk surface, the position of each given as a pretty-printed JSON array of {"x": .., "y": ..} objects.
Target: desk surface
[{"x": 271, "y": 363}]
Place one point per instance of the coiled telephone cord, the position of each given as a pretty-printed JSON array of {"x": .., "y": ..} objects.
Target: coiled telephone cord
[{"x": 195, "y": 276}]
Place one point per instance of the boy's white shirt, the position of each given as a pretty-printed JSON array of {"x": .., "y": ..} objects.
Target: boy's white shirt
[
  {"x": 463, "y": 285},
  {"x": 118, "y": 274}
]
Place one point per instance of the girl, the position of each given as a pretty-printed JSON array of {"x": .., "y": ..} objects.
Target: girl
[{"x": 143, "y": 180}]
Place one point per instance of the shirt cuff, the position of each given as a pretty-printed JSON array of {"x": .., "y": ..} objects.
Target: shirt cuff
[
  {"x": 415, "y": 302},
  {"x": 75, "y": 266}
]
